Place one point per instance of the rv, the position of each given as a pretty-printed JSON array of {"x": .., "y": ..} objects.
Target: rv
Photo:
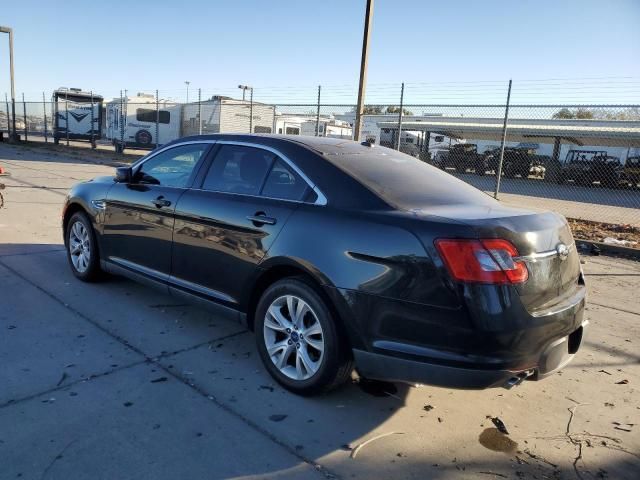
[
  {"x": 227, "y": 115},
  {"x": 142, "y": 122},
  {"x": 306, "y": 124},
  {"x": 134, "y": 121},
  {"x": 77, "y": 115}
]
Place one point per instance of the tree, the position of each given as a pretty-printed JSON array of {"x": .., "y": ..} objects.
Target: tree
[
  {"x": 631, "y": 113},
  {"x": 583, "y": 113},
  {"x": 564, "y": 113},
  {"x": 394, "y": 109},
  {"x": 372, "y": 110}
]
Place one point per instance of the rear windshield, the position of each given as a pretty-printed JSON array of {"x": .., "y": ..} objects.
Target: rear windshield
[{"x": 404, "y": 181}]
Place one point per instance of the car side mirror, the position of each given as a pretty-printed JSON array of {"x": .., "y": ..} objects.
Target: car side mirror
[{"x": 123, "y": 175}]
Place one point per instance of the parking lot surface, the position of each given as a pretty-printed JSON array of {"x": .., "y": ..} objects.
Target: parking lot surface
[{"x": 114, "y": 380}]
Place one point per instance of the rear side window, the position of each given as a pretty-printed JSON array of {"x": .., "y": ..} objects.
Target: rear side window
[
  {"x": 284, "y": 183},
  {"x": 404, "y": 181},
  {"x": 238, "y": 169}
]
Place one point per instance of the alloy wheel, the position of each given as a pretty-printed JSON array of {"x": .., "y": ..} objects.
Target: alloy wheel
[
  {"x": 79, "y": 247},
  {"x": 293, "y": 337}
]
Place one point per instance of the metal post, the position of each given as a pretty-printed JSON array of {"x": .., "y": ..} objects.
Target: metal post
[
  {"x": 504, "y": 137},
  {"x": 275, "y": 122},
  {"x": 66, "y": 115},
  {"x": 24, "y": 114},
  {"x": 14, "y": 136},
  {"x": 6, "y": 101},
  {"x": 318, "y": 114},
  {"x": 199, "y": 111},
  {"x": 93, "y": 140},
  {"x": 368, "y": 20},
  {"x": 251, "y": 111},
  {"x": 157, "y": 119},
  {"x": 400, "y": 116},
  {"x": 120, "y": 147},
  {"x": 44, "y": 110}
]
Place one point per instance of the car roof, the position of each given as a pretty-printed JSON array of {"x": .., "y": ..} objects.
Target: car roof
[{"x": 322, "y": 145}]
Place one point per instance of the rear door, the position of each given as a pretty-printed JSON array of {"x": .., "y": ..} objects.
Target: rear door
[
  {"x": 139, "y": 215},
  {"x": 225, "y": 227}
]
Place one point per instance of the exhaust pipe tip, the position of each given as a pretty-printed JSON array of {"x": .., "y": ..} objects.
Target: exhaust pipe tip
[{"x": 518, "y": 379}]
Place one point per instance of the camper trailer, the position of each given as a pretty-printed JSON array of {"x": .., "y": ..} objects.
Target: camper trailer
[
  {"x": 133, "y": 121},
  {"x": 77, "y": 115},
  {"x": 306, "y": 124},
  {"x": 227, "y": 115}
]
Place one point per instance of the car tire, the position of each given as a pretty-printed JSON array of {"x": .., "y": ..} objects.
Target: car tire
[
  {"x": 82, "y": 248},
  {"x": 307, "y": 354}
]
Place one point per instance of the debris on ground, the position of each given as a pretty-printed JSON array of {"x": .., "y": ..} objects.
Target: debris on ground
[
  {"x": 428, "y": 408},
  {"x": 355, "y": 451},
  {"x": 160, "y": 379},
  {"x": 277, "y": 417},
  {"x": 622, "y": 234},
  {"x": 622, "y": 382},
  {"x": 502, "y": 428},
  {"x": 62, "y": 379}
]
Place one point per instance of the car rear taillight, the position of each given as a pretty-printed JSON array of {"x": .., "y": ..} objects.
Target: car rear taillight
[{"x": 482, "y": 261}]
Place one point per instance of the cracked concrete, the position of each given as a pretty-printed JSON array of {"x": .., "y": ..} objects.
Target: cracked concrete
[{"x": 114, "y": 380}]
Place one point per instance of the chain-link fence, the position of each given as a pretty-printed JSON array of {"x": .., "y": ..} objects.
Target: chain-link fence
[{"x": 580, "y": 160}]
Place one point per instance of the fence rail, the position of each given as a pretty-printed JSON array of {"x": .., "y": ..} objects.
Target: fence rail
[{"x": 582, "y": 160}]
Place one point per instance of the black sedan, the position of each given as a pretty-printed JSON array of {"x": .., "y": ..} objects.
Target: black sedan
[{"x": 340, "y": 254}]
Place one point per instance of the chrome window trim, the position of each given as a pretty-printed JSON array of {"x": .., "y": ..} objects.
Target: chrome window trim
[{"x": 321, "y": 200}]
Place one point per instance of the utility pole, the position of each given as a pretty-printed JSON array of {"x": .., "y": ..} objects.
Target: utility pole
[
  {"x": 187, "y": 84},
  {"x": 14, "y": 136},
  {"x": 318, "y": 114},
  {"x": 363, "y": 70},
  {"x": 502, "y": 142},
  {"x": 400, "y": 116}
]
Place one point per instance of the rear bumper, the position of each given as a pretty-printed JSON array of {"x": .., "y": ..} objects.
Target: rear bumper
[{"x": 388, "y": 367}]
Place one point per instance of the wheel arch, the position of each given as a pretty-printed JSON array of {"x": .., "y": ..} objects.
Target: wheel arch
[{"x": 276, "y": 269}]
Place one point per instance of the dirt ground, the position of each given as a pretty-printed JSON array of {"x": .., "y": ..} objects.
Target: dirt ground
[{"x": 616, "y": 234}]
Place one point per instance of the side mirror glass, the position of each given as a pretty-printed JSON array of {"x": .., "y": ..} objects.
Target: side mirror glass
[{"x": 123, "y": 175}]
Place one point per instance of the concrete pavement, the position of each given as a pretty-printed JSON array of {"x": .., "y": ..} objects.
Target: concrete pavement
[{"x": 114, "y": 380}]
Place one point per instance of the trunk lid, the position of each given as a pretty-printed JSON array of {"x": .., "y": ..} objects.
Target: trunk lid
[{"x": 543, "y": 240}]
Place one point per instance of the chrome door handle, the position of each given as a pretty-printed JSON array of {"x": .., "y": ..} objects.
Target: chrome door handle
[
  {"x": 261, "y": 219},
  {"x": 161, "y": 202}
]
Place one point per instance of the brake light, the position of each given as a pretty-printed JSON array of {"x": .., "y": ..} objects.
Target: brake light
[{"x": 482, "y": 261}]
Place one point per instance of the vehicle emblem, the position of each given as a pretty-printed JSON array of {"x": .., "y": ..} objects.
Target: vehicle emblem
[{"x": 563, "y": 251}]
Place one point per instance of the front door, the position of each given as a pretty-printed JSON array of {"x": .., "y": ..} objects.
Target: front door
[
  {"x": 224, "y": 229},
  {"x": 139, "y": 215}
]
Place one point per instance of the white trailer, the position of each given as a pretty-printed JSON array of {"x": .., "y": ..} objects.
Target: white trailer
[
  {"x": 227, "y": 115},
  {"x": 132, "y": 121},
  {"x": 306, "y": 124}
]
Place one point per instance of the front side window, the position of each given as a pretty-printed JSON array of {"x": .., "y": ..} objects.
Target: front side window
[
  {"x": 238, "y": 169},
  {"x": 173, "y": 167}
]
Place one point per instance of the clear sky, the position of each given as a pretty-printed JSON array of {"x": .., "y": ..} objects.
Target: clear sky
[{"x": 459, "y": 48}]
